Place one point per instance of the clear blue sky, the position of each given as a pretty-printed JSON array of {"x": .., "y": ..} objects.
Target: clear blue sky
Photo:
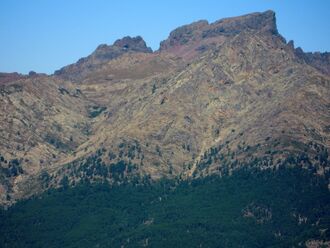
[{"x": 44, "y": 35}]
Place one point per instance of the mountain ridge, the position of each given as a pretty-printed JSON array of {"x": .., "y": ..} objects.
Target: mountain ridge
[{"x": 214, "y": 98}]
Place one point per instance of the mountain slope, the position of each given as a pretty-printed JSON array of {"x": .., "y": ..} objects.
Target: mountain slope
[
  {"x": 279, "y": 208},
  {"x": 214, "y": 98}
]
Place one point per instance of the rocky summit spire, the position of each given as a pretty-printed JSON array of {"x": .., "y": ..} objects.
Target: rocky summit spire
[
  {"x": 120, "y": 46},
  {"x": 133, "y": 43}
]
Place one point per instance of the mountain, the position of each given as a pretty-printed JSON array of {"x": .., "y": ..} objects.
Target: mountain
[
  {"x": 101, "y": 55},
  {"x": 215, "y": 98}
]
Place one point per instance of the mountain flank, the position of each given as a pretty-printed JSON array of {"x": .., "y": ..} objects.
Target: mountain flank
[{"x": 215, "y": 97}]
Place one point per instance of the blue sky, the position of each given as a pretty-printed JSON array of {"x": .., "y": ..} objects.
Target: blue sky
[{"x": 44, "y": 35}]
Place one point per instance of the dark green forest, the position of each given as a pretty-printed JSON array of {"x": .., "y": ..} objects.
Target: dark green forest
[{"x": 251, "y": 208}]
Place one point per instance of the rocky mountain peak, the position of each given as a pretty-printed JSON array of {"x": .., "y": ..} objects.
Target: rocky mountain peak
[
  {"x": 125, "y": 44},
  {"x": 201, "y": 30},
  {"x": 259, "y": 21},
  {"x": 133, "y": 43},
  {"x": 120, "y": 46},
  {"x": 102, "y": 54}
]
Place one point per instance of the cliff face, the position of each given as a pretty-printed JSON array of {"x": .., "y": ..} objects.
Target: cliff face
[
  {"x": 215, "y": 97},
  {"x": 202, "y": 30}
]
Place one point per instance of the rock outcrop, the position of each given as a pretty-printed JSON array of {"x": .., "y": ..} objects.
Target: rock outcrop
[
  {"x": 103, "y": 54},
  {"x": 228, "y": 27}
]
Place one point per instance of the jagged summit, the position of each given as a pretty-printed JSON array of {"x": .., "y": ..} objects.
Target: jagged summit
[
  {"x": 197, "y": 31},
  {"x": 188, "y": 42},
  {"x": 198, "y": 35},
  {"x": 133, "y": 43},
  {"x": 125, "y": 44},
  {"x": 102, "y": 54},
  {"x": 259, "y": 21}
]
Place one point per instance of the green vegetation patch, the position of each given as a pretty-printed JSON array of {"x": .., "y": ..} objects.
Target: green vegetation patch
[{"x": 251, "y": 208}]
